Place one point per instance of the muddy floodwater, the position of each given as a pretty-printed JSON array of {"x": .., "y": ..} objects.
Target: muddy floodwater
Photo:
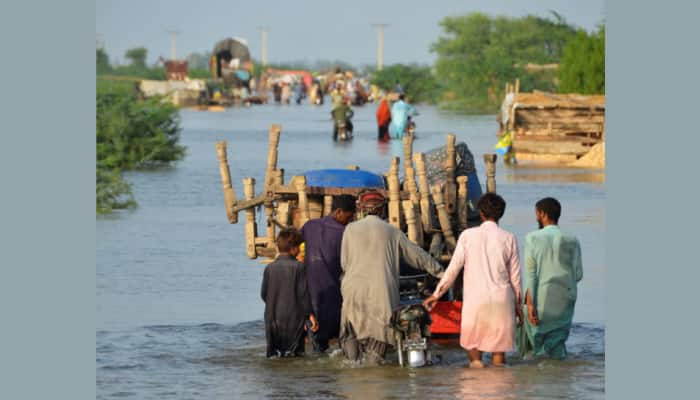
[{"x": 178, "y": 308}]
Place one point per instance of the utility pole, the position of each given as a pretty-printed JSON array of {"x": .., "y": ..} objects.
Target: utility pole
[
  {"x": 100, "y": 41},
  {"x": 380, "y": 44},
  {"x": 263, "y": 55},
  {"x": 173, "y": 42}
]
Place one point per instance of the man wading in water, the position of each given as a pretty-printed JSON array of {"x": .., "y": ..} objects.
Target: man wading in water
[
  {"x": 553, "y": 268},
  {"x": 323, "y": 237},
  {"x": 370, "y": 255},
  {"x": 488, "y": 255}
]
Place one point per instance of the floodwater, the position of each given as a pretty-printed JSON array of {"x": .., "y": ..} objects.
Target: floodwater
[{"x": 178, "y": 307}]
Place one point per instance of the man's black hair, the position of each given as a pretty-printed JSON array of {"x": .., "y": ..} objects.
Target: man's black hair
[
  {"x": 551, "y": 207},
  {"x": 402, "y": 96},
  {"x": 287, "y": 239},
  {"x": 492, "y": 206},
  {"x": 345, "y": 202}
]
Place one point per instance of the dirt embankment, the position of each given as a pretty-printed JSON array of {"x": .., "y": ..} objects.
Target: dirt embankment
[{"x": 595, "y": 158}]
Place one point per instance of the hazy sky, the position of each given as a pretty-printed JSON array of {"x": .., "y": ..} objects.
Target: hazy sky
[{"x": 308, "y": 29}]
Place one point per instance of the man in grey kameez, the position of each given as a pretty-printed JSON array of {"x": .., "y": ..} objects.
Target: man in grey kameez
[{"x": 371, "y": 252}]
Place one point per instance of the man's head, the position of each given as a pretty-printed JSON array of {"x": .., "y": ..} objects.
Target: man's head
[
  {"x": 343, "y": 207},
  {"x": 288, "y": 241},
  {"x": 491, "y": 207},
  {"x": 372, "y": 202},
  {"x": 547, "y": 211},
  {"x": 402, "y": 96}
]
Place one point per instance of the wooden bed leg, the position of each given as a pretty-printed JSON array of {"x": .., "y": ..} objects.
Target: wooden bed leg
[
  {"x": 419, "y": 158},
  {"x": 411, "y": 223},
  {"x": 394, "y": 195},
  {"x": 462, "y": 209},
  {"x": 443, "y": 217},
  {"x": 490, "y": 161},
  {"x": 303, "y": 201},
  {"x": 450, "y": 166},
  {"x": 229, "y": 193},
  {"x": 251, "y": 230},
  {"x": 327, "y": 205}
]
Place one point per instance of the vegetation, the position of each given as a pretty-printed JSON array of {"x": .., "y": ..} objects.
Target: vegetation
[
  {"x": 137, "y": 69},
  {"x": 583, "y": 64},
  {"x": 479, "y": 54},
  {"x": 113, "y": 192},
  {"x": 418, "y": 82},
  {"x": 130, "y": 133}
]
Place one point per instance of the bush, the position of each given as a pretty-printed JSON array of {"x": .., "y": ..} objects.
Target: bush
[
  {"x": 113, "y": 192},
  {"x": 417, "y": 81},
  {"x": 583, "y": 64},
  {"x": 131, "y": 133}
]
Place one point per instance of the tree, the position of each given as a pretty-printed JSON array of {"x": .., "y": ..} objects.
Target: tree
[
  {"x": 417, "y": 81},
  {"x": 583, "y": 64},
  {"x": 102, "y": 61},
  {"x": 478, "y": 54},
  {"x": 137, "y": 56}
]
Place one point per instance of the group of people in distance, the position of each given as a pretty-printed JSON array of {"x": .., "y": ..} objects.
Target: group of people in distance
[{"x": 348, "y": 284}]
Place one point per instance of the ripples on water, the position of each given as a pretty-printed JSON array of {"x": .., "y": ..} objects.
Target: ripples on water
[
  {"x": 228, "y": 361},
  {"x": 176, "y": 294}
]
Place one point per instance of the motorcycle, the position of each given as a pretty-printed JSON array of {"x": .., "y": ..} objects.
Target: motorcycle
[
  {"x": 344, "y": 133},
  {"x": 410, "y": 127},
  {"x": 411, "y": 323}
]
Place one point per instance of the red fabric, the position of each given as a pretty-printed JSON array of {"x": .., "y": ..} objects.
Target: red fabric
[
  {"x": 383, "y": 113},
  {"x": 446, "y": 316}
]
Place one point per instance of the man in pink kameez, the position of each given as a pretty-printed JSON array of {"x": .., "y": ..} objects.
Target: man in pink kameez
[{"x": 492, "y": 289}]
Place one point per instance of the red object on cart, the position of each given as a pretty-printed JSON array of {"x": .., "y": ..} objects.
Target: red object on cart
[{"x": 446, "y": 316}]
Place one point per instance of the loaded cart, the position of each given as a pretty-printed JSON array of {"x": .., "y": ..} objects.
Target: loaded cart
[{"x": 432, "y": 198}]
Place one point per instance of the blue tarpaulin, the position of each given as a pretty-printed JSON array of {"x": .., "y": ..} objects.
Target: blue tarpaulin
[{"x": 344, "y": 178}]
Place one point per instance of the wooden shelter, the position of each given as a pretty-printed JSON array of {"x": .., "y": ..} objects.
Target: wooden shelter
[{"x": 548, "y": 127}]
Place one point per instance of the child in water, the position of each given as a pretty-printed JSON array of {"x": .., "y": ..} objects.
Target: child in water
[{"x": 286, "y": 297}]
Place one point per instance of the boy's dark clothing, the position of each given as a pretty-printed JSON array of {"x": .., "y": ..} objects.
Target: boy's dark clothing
[{"x": 287, "y": 306}]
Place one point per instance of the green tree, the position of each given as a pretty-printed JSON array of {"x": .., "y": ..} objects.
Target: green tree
[
  {"x": 418, "y": 82},
  {"x": 131, "y": 133},
  {"x": 582, "y": 67},
  {"x": 478, "y": 54},
  {"x": 137, "y": 56},
  {"x": 102, "y": 61}
]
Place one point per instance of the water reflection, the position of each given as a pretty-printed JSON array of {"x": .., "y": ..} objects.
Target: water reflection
[{"x": 490, "y": 382}]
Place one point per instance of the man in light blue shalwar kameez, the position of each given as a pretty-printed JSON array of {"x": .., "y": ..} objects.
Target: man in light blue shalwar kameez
[
  {"x": 552, "y": 270},
  {"x": 400, "y": 112}
]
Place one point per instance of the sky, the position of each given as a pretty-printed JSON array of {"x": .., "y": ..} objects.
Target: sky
[{"x": 308, "y": 30}]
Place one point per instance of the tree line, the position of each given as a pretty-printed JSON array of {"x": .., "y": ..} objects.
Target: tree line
[{"x": 477, "y": 54}]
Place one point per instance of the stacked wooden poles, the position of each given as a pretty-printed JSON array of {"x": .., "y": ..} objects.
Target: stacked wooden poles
[
  {"x": 229, "y": 193},
  {"x": 490, "y": 161},
  {"x": 412, "y": 188}
]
